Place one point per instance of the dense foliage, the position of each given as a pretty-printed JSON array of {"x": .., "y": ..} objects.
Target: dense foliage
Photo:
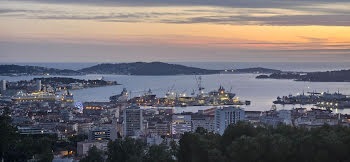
[
  {"x": 17, "y": 147},
  {"x": 135, "y": 150},
  {"x": 244, "y": 143},
  {"x": 131, "y": 150},
  {"x": 94, "y": 155}
]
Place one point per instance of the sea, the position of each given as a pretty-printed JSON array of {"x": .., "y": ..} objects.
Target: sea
[{"x": 261, "y": 92}]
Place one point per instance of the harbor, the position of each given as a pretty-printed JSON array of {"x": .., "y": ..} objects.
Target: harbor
[{"x": 199, "y": 97}]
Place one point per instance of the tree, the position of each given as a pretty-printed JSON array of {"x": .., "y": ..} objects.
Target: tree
[
  {"x": 16, "y": 147},
  {"x": 8, "y": 136},
  {"x": 174, "y": 149},
  {"x": 44, "y": 149},
  {"x": 126, "y": 150},
  {"x": 159, "y": 153},
  {"x": 244, "y": 143},
  {"x": 94, "y": 155},
  {"x": 73, "y": 141},
  {"x": 77, "y": 138},
  {"x": 200, "y": 146}
]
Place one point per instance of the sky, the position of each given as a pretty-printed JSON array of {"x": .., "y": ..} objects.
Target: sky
[{"x": 174, "y": 30}]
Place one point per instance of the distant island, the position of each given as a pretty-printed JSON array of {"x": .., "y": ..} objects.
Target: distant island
[
  {"x": 136, "y": 68},
  {"x": 328, "y": 76},
  {"x": 143, "y": 68}
]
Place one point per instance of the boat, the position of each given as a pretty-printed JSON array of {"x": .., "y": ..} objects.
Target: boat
[
  {"x": 217, "y": 97},
  {"x": 34, "y": 97},
  {"x": 323, "y": 100},
  {"x": 214, "y": 98},
  {"x": 120, "y": 98}
]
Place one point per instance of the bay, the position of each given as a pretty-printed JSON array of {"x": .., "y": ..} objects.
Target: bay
[{"x": 261, "y": 92}]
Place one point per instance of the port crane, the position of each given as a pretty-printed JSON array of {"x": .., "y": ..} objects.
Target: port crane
[{"x": 199, "y": 84}]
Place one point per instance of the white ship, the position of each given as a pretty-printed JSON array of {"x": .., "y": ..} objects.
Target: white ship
[{"x": 35, "y": 96}]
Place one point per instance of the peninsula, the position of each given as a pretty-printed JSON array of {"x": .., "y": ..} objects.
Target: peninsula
[
  {"x": 328, "y": 76},
  {"x": 16, "y": 70}
]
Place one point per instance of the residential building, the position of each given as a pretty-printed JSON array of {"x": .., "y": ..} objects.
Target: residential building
[
  {"x": 274, "y": 117},
  {"x": 32, "y": 130},
  {"x": 38, "y": 85},
  {"x": 103, "y": 133},
  {"x": 3, "y": 85},
  {"x": 204, "y": 121},
  {"x": 133, "y": 120},
  {"x": 181, "y": 124},
  {"x": 84, "y": 128},
  {"x": 253, "y": 116},
  {"x": 226, "y": 116}
]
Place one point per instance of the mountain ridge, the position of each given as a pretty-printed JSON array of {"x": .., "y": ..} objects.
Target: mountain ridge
[{"x": 134, "y": 68}]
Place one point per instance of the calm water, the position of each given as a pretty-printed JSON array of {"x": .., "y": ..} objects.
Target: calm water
[
  {"x": 246, "y": 87},
  {"x": 285, "y": 66}
]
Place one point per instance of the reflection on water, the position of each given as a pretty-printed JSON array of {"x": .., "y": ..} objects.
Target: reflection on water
[{"x": 246, "y": 87}]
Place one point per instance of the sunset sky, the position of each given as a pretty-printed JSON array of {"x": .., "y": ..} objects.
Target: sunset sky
[{"x": 174, "y": 30}]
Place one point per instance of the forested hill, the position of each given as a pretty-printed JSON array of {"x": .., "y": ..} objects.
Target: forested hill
[{"x": 143, "y": 68}]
